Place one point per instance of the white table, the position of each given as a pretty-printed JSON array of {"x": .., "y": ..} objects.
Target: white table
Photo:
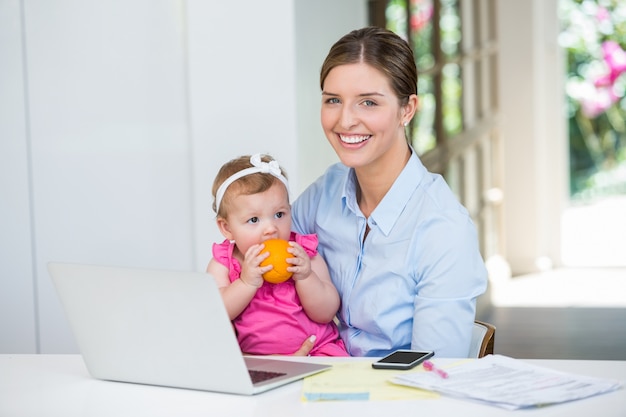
[{"x": 59, "y": 385}]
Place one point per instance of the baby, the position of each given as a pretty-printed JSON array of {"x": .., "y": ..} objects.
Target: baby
[{"x": 252, "y": 205}]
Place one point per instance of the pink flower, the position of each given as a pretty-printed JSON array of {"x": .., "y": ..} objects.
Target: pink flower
[
  {"x": 603, "y": 14},
  {"x": 615, "y": 58},
  {"x": 603, "y": 81},
  {"x": 596, "y": 103},
  {"x": 423, "y": 12}
]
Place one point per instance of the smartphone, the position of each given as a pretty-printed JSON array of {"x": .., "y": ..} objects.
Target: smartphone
[{"x": 402, "y": 359}]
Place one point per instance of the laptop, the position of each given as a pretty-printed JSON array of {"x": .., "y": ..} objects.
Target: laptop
[{"x": 163, "y": 328}]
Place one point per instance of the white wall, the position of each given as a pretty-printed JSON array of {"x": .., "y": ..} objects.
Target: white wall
[
  {"x": 241, "y": 95},
  {"x": 534, "y": 132},
  {"x": 258, "y": 90},
  {"x": 114, "y": 118},
  {"x": 17, "y": 286},
  {"x": 317, "y": 30}
]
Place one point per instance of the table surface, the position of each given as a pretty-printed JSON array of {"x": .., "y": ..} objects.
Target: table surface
[{"x": 59, "y": 385}]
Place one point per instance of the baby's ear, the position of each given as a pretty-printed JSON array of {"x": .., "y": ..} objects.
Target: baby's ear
[{"x": 222, "y": 224}]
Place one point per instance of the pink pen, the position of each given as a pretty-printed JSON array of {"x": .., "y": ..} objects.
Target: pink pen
[{"x": 429, "y": 366}]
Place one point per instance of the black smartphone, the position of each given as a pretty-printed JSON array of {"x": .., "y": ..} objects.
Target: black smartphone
[{"x": 402, "y": 359}]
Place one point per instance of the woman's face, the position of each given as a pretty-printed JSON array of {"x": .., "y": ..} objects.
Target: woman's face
[{"x": 361, "y": 115}]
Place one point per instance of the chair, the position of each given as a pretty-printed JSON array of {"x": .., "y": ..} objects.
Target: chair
[{"x": 483, "y": 336}]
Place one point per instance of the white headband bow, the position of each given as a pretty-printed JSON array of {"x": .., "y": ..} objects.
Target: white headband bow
[{"x": 258, "y": 166}]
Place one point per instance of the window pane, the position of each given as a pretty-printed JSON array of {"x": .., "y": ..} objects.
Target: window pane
[
  {"x": 395, "y": 14},
  {"x": 421, "y": 30},
  {"x": 450, "y": 27},
  {"x": 453, "y": 178},
  {"x": 423, "y": 132},
  {"x": 452, "y": 90}
]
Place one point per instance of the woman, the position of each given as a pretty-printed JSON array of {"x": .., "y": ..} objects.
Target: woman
[{"x": 402, "y": 251}]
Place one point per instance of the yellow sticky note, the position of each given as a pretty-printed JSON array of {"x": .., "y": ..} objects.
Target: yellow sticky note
[{"x": 357, "y": 380}]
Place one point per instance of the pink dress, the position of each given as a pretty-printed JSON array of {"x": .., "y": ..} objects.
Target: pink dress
[{"x": 275, "y": 322}]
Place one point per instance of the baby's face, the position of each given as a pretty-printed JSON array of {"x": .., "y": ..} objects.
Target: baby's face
[{"x": 257, "y": 217}]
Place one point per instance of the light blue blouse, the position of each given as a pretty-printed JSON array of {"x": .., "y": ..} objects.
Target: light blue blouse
[{"x": 413, "y": 283}]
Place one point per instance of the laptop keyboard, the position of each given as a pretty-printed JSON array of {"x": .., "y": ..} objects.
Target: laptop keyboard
[{"x": 260, "y": 376}]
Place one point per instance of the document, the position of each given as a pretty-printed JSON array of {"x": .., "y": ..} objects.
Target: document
[{"x": 508, "y": 383}]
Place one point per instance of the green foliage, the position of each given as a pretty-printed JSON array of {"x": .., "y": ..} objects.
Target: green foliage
[{"x": 593, "y": 37}]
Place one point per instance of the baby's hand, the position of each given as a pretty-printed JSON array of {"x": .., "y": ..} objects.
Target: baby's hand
[
  {"x": 251, "y": 271},
  {"x": 301, "y": 263}
]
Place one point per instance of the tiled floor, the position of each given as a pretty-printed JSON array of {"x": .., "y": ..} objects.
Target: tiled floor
[
  {"x": 571, "y": 313},
  {"x": 566, "y": 314},
  {"x": 560, "y": 333}
]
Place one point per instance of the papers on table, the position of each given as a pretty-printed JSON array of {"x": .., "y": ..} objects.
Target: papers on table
[{"x": 508, "y": 383}]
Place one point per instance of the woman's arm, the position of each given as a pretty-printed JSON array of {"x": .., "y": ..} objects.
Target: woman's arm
[{"x": 445, "y": 303}]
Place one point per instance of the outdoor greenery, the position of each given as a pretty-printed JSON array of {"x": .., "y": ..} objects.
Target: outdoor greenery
[
  {"x": 593, "y": 37},
  {"x": 419, "y": 23}
]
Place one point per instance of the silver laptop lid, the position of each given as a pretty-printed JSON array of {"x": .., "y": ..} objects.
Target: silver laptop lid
[{"x": 153, "y": 327}]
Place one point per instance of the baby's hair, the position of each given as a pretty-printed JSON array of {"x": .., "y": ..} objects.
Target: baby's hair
[{"x": 248, "y": 184}]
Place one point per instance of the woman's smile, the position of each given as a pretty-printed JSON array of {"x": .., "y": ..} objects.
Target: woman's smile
[{"x": 352, "y": 139}]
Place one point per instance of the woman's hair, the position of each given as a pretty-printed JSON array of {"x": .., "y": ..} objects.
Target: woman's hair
[
  {"x": 383, "y": 50},
  {"x": 248, "y": 184}
]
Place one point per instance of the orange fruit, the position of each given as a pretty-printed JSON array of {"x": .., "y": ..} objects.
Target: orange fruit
[{"x": 278, "y": 258}]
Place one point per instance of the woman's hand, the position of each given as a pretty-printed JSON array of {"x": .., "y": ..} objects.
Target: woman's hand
[{"x": 306, "y": 347}]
